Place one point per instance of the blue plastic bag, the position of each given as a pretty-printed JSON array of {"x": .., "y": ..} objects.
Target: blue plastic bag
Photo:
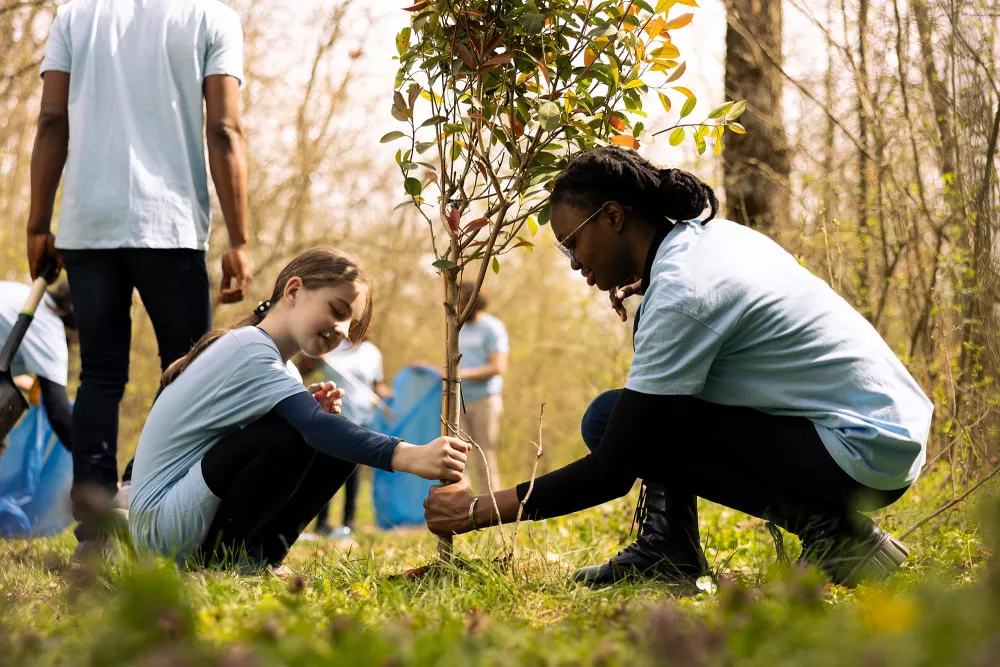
[
  {"x": 416, "y": 418},
  {"x": 36, "y": 473}
]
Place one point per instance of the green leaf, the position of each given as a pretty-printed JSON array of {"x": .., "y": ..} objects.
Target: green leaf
[
  {"x": 412, "y": 186},
  {"x": 635, "y": 83},
  {"x": 737, "y": 128},
  {"x": 549, "y": 116},
  {"x": 699, "y": 141},
  {"x": 689, "y": 106},
  {"x": 391, "y": 136},
  {"x": 720, "y": 110},
  {"x": 532, "y": 225},
  {"x": 737, "y": 110},
  {"x": 607, "y": 30},
  {"x": 496, "y": 265},
  {"x": 444, "y": 264},
  {"x": 403, "y": 41},
  {"x": 677, "y": 136},
  {"x": 543, "y": 215},
  {"x": 434, "y": 120}
]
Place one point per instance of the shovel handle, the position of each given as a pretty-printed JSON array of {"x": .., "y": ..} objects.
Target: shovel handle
[{"x": 24, "y": 319}]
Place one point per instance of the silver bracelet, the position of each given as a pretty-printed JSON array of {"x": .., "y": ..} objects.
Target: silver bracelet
[{"x": 472, "y": 509}]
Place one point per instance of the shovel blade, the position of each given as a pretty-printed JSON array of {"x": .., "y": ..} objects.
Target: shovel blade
[{"x": 12, "y": 404}]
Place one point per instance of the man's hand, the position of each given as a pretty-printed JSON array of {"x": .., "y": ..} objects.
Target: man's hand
[
  {"x": 236, "y": 274},
  {"x": 446, "y": 508},
  {"x": 42, "y": 251},
  {"x": 329, "y": 397},
  {"x": 619, "y": 295}
]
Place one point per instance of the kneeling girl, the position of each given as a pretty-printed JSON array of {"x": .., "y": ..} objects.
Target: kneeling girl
[{"x": 237, "y": 456}]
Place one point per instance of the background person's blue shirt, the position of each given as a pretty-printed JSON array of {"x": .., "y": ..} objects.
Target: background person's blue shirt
[
  {"x": 731, "y": 318},
  {"x": 348, "y": 367},
  {"x": 476, "y": 341}
]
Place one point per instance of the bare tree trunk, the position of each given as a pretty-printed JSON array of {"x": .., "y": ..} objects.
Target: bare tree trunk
[
  {"x": 451, "y": 396},
  {"x": 756, "y": 169},
  {"x": 947, "y": 149},
  {"x": 864, "y": 228}
]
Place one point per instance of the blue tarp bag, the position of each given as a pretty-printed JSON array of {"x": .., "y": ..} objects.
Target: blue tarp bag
[
  {"x": 36, "y": 473},
  {"x": 416, "y": 418}
]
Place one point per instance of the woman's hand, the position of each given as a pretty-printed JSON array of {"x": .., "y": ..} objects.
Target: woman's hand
[
  {"x": 329, "y": 397},
  {"x": 443, "y": 459},
  {"x": 446, "y": 508},
  {"x": 619, "y": 295}
]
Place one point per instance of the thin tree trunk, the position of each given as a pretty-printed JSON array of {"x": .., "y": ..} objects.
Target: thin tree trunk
[
  {"x": 864, "y": 229},
  {"x": 756, "y": 168},
  {"x": 450, "y": 388}
]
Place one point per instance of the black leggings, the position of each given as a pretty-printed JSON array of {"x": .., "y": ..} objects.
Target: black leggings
[
  {"x": 271, "y": 484},
  {"x": 350, "y": 503},
  {"x": 775, "y": 468},
  {"x": 57, "y": 407}
]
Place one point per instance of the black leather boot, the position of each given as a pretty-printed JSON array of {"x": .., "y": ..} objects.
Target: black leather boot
[
  {"x": 668, "y": 546},
  {"x": 849, "y": 548}
]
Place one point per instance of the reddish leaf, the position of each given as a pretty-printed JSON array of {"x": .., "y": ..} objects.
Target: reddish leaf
[
  {"x": 417, "y": 7},
  {"x": 478, "y": 223},
  {"x": 626, "y": 141},
  {"x": 466, "y": 55},
  {"x": 525, "y": 244},
  {"x": 518, "y": 128},
  {"x": 398, "y": 101},
  {"x": 618, "y": 123},
  {"x": 498, "y": 60},
  {"x": 453, "y": 219}
]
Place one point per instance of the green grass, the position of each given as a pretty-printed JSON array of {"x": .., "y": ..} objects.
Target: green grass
[{"x": 354, "y": 608}]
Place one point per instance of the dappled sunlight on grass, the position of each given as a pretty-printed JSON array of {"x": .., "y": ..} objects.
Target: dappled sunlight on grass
[{"x": 351, "y": 603}]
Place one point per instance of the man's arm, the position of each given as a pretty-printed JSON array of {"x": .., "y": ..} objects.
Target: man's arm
[
  {"x": 48, "y": 157},
  {"x": 497, "y": 365},
  {"x": 227, "y": 158}
]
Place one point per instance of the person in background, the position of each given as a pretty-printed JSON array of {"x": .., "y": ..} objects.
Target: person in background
[
  {"x": 484, "y": 346},
  {"x": 44, "y": 352},
  {"x": 129, "y": 89},
  {"x": 356, "y": 368}
]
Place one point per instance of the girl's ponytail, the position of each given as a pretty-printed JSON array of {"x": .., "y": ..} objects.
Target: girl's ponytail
[{"x": 178, "y": 367}]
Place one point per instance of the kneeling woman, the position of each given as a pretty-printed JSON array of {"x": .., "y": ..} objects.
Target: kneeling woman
[
  {"x": 237, "y": 456},
  {"x": 753, "y": 385}
]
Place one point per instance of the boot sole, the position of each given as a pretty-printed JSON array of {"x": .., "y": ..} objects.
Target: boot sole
[{"x": 884, "y": 558}]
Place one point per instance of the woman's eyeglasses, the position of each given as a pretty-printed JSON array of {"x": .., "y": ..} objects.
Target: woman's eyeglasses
[{"x": 568, "y": 253}]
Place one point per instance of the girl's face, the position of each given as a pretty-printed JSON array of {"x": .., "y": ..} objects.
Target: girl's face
[
  {"x": 320, "y": 319},
  {"x": 595, "y": 239}
]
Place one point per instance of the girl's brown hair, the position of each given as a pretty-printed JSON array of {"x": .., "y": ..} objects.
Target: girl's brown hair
[{"x": 316, "y": 268}]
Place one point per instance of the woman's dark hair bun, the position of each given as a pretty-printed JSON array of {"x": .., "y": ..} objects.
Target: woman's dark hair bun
[
  {"x": 613, "y": 173},
  {"x": 684, "y": 197}
]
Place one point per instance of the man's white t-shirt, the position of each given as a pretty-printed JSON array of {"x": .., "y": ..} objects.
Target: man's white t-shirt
[{"x": 135, "y": 173}]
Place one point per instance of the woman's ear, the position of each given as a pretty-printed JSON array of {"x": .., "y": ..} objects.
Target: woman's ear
[
  {"x": 292, "y": 289},
  {"x": 615, "y": 215}
]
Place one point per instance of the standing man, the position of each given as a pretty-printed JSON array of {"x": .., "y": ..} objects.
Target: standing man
[
  {"x": 484, "y": 346},
  {"x": 122, "y": 111}
]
